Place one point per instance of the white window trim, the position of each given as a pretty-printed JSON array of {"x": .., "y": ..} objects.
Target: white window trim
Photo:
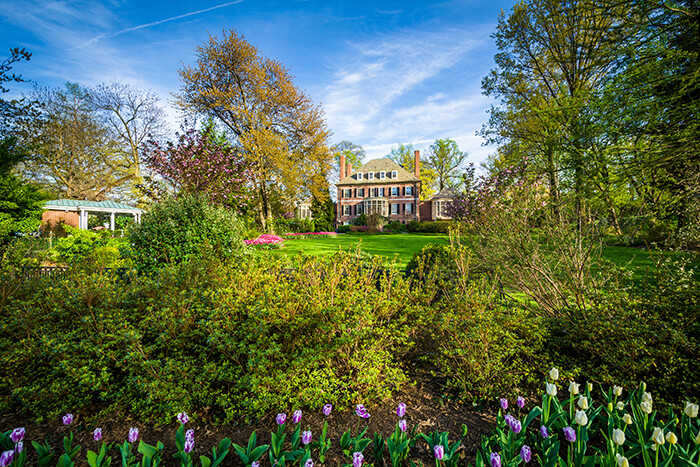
[
  {"x": 370, "y": 176},
  {"x": 359, "y": 175},
  {"x": 394, "y": 174},
  {"x": 382, "y": 175}
]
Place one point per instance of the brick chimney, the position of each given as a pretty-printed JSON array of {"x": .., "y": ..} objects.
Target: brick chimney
[
  {"x": 349, "y": 170},
  {"x": 416, "y": 165},
  {"x": 342, "y": 166}
]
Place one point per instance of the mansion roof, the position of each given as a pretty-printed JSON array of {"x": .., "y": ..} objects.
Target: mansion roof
[{"x": 376, "y": 166}]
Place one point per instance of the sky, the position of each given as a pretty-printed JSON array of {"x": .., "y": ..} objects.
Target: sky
[{"x": 384, "y": 72}]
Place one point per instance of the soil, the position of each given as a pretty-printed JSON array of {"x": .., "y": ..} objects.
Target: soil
[{"x": 429, "y": 408}]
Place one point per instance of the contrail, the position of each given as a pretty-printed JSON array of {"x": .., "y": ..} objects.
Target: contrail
[{"x": 155, "y": 23}]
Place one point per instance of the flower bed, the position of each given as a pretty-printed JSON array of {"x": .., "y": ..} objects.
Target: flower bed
[
  {"x": 301, "y": 235},
  {"x": 265, "y": 242},
  {"x": 568, "y": 431}
]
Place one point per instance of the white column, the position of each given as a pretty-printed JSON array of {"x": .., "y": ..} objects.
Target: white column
[
  {"x": 111, "y": 222},
  {"x": 81, "y": 219}
]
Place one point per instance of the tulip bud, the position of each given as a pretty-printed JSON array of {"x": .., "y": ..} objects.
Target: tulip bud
[
  {"x": 554, "y": 374},
  {"x": 620, "y": 405},
  {"x": 403, "y": 426},
  {"x": 643, "y": 386},
  {"x": 19, "y": 447},
  {"x": 495, "y": 459},
  {"x": 357, "y": 459},
  {"x": 646, "y": 407},
  {"x": 551, "y": 390},
  {"x": 133, "y": 435},
  {"x": 526, "y": 454},
  {"x": 646, "y": 397},
  {"x": 6, "y": 458},
  {"x": 296, "y": 416},
  {"x": 691, "y": 410},
  {"x": 569, "y": 434},
  {"x": 520, "y": 402},
  {"x": 401, "y": 410},
  {"x": 622, "y": 461},
  {"x": 68, "y": 419},
  {"x": 543, "y": 432},
  {"x": 583, "y": 402},
  {"x": 504, "y": 404},
  {"x": 617, "y": 390},
  {"x": 327, "y": 409},
  {"x": 590, "y": 387},
  {"x": 573, "y": 388},
  {"x": 658, "y": 436},
  {"x": 439, "y": 451},
  {"x": 183, "y": 418},
  {"x": 581, "y": 418},
  {"x": 189, "y": 446},
  {"x": 697, "y": 438},
  {"x": 255, "y": 464},
  {"x": 281, "y": 418},
  {"x": 627, "y": 419},
  {"x": 189, "y": 435},
  {"x": 306, "y": 437},
  {"x": 17, "y": 435},
  {"x": 671, "y": 437},
  {"x": 618, "y": 437},
  {"x": 309, "y": 463},
  {"x": 609, "y": 407},
  {"x": 97, "y": 434}
]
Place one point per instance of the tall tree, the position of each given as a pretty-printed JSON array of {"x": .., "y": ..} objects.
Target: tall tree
[
  {"x": 74, "y": 153},
  {"x": 276, "y": 126},
  {"x": 404, "y": 155},
  {"x": 133, "y": 115},
  {"x": 445, "y": 158}
]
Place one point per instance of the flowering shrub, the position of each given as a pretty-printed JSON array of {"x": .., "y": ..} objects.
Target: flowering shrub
[{"x": 300, "y": 235}]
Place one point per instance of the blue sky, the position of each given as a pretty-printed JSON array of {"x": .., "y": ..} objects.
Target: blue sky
[{"x": 385, "y": 72}]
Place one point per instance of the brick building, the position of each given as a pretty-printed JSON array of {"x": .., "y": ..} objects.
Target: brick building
[{"x": 382, "y": 186}]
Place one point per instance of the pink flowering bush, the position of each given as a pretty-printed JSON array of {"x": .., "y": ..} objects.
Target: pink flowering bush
[
  {"x": 265, "y": 242},
  {"x": 301, "y": 235}
]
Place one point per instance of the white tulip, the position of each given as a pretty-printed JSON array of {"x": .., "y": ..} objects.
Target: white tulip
[
  {"x": 618, "y": 437},
  {"x": 646, "y": 407},
  {"x": 551, "y": 389},
  {"x": 691, "y": 410},
  {"x": 622, "y": 461},
  {"x": 554, "y": 374},
  {"x": 617, "y": 390},
  {"x": 658, "y": 436},
  {"x": 671, "y": 437},
  {"x": 620, "y": 405},
  {"x": 627, "y": 419},
  {"x": 646, "y": 397},
  {"x": 590, "y": 387},
  {"x": 583, "y": 402},
  {"x": 573, "y": 388},
  {"x": 581, "y": 418}
]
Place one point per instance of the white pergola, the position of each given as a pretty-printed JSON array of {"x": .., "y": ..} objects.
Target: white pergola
[{"x": 83, "y": 208}]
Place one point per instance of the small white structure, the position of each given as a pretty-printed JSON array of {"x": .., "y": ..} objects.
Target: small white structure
[{"x": 75, "y": 212}]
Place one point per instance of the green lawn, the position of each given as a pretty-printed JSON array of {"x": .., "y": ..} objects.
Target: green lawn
[
  {"x": 400, "y": 245},
  {"x": 403, "y": 246}
]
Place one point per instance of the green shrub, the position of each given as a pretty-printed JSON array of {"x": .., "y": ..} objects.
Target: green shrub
[
  {"x": 442, "y": 227},
  {"x": 344, "y": 228},
  {"x": 89, "y": 248},
  {"x": 396, "y": 226},
  {"x": 185, "y": 229},
  {"x": 432, "y": 257}
]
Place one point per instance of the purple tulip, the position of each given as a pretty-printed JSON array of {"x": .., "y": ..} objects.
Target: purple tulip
[
  {"x": 401, "y": 410},
  {"x": 327, "y": 409},
  {"x": 543, "y": 432},
  {"x": 403, "y": 426},
  {"x": 520, "y": 402},
  {"x": 504, "y": 403},
  {"x": 189, "y": 445},
  {"x": 357, "y": 459},
  {"x": 6, "y": 458},
  {"x": 255, "y": 464},
  {"x": 309, "y": 463},
  {"x": 17, "y": 435},
  {"x": 569, "y": 434},
  {"x": 495, "y": 459},
  {"x": 68, "y": 419},
  {"x": 97, "y": 434},
  {"x": 281, "y": 418},
  {"x": 189, "y": 435},
  {"x": 296, "y": 416},
  {"x": 183, "y": 418},
  {"x": 19, "y": 447},
  {"x": 133, "y": 435},
  {"x": 526, "y": 454},
  {"x": 306, "y": 437},
  {"x": 516, "y": 426},
  {"x": 439, "y": 451},
  {"x": 360, "y": 410}
]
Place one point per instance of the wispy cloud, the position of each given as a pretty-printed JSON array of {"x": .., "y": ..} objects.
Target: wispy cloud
[{"x": 155, "y": 23}]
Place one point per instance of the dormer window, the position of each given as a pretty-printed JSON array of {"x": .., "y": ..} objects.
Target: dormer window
[
  {"x": 359, "y": 175},
  {"x": 394, "y": 174},
  {"x": 370, "y": 176},
  {"x": 382, "y": 175}
]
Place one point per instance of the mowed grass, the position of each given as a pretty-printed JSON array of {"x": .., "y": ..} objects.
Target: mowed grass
[
  {"x": 403, "y": 246},
  {"x": 399, "y": 246}
]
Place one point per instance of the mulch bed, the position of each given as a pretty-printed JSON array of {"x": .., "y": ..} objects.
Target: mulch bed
[{"x": 428, "y": 407}]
